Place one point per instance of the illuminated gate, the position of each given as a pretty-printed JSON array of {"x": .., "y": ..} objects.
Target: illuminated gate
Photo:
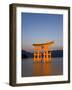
[{"x": 42, "y": 51}]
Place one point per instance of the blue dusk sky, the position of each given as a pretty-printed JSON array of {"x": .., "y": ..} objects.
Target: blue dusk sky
[{"x": 41, "y": 28}]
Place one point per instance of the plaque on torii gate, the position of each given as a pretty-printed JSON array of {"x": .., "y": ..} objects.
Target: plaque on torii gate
[{"x": 42, "y": 51}]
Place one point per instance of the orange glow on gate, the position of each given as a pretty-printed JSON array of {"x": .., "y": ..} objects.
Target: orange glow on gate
[{"x": 42, "y": 51}]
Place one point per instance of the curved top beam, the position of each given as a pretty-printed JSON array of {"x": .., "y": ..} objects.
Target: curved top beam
[{"x": 48, "y": 43}]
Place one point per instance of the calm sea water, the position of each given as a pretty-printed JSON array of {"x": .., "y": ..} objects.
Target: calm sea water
[{"x": 29, "y": 68}]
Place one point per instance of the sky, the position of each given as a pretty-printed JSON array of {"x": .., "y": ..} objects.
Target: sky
[{"x": 41, "y": 28}]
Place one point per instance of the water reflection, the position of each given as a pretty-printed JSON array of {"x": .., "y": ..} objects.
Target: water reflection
[
  {"x": 30, "y": 68},
  {"x": 41, "y": 69}
]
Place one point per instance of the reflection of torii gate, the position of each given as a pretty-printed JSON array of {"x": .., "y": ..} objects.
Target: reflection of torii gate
[{"x": 42, "y": 51}]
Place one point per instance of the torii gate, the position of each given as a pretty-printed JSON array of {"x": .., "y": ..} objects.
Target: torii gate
[{"x": 42, "y": 51}]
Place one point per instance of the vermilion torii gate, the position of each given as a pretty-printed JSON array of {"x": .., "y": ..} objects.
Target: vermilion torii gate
[{"x": 42, "y": 51}]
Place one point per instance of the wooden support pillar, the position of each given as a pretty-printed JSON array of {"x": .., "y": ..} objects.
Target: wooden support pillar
[
  {"x": 37, "y": 54},
  {"x": 47, "y": 54}
]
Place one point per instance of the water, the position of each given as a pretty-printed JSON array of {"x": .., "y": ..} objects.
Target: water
[{"x": 29, "y": 68}]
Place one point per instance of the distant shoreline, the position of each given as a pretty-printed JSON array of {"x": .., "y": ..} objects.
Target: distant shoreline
[{"x": 55, "y": 53}]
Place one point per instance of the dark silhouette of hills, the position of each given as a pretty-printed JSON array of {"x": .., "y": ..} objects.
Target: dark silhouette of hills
[
  {"x": 26, "y": 54},
  {"x": 55, "y": 53}
]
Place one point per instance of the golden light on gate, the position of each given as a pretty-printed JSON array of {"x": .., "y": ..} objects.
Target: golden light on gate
[{"x": 43, "y": 51}]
